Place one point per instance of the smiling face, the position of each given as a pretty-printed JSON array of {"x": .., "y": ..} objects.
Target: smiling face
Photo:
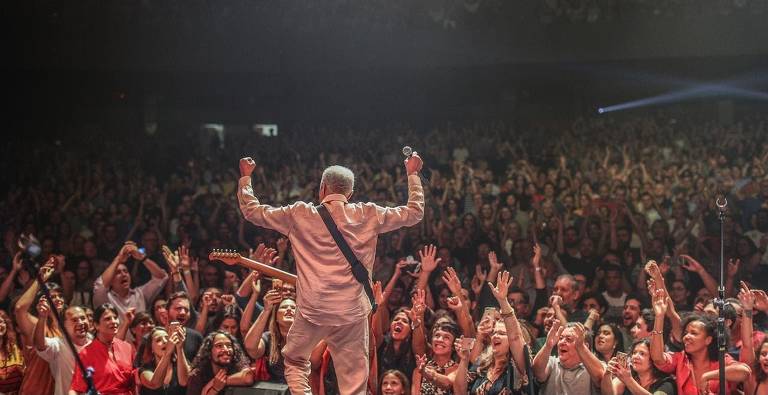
[
  {"x": 695, "y": 338},
  {"x": 221, "y": 352},
  {"x": 762, "y": 359},
  {"x": 400, "y": 328},
  {"x": 76, "y": 324},
  {"x": 391, "y": 385},
  {"x": 641, "y": 358},
  {"x": 499, "y": 339},
  {"x": 442, "y": 342},
  {"x": 631, "y": 312},
  {"x": 566, "y": 348}
]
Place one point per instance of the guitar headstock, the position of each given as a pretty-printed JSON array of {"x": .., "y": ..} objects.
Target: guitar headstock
[{"x": 229, "y": 257}]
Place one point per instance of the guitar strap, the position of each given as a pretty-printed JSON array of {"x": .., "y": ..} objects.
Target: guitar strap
[{"x": 358, "y": 270}]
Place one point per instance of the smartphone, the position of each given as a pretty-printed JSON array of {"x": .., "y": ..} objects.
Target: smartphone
[
  {"x": 467, "y": 343},
  {"x": 621, "y": 357},
  {"x": 142, "y": 250}
]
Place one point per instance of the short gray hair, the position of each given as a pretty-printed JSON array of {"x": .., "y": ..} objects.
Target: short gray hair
[{"x": 338, "y": 179}]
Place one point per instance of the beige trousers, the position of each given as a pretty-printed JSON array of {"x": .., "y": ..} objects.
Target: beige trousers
[{"x": 348, "y": 345}]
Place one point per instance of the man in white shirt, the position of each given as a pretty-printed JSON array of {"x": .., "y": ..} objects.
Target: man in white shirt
[
  {"x": 54, "y": 350},
  {"x": 332, "y": 304},
  {"x": 114, "y": 285}
]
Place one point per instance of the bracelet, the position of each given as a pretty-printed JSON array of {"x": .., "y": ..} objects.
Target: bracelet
[
  {"x": 748, "y": 313},
  {"x": 654, "y": 333},
  {"x": 538, "y": 269},
  {"x": 508, "y": 314}
]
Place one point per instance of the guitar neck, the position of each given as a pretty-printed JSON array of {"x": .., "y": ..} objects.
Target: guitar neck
[{"x": 267, "y": 270}]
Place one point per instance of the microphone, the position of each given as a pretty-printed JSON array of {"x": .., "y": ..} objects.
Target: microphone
[
  {"x": 407, "y": 151},
  {"x": 721, "y": 205}
]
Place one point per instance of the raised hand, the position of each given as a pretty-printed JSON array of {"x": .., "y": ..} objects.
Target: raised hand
[
  {"x": 208, "y": 301},
  {"x": 43, "y": 308},
  {"x": 413, "y": 164},
  {"x": 378, "y": 294},
  {"x": 578, "y": 334},
  {"x": 129, "y": 315},
  {"x": 691, "y": 264},
  {"x": 454, "y": 303},
  {"x": 46, "y": 271},
  {"x": 427, "y": 256},
  {"x": 553, "y": 336},
  {"x": 451, "y": 279},
  {"x": 171, "y": 258},
  {"x": 555, "y": 301},
  {"x": 501, "y": 289},
  {"x": 247, "y": 165},
  {"x": 653, "y": 270},
  {"x": 228, "y": 299},
  {"x": 746, "y": 297},
  {"x": 418, "y": 304},
  {"x": 536, "y": 260},
  {"x": 733, "y": 267},
  {"x": 421, "y": 362},
  {"x": 272, "y": 299},
  {"x": 463, "y": 352},
  {"x": 761, "y": 299},
  {"x": 485, "y": 328},
  {"x": 182, "y": 254},
  {"x": 494, "y": 262},
  {"x": 619, "y": 370}
]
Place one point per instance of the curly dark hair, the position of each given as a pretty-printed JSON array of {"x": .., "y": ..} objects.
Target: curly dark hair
[
  {"x": 201, "y": 365},
  {"x": 710, "y": 327}
]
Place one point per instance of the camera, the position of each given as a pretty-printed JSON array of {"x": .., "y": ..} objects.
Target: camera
[{"x": 31, "y": 251}]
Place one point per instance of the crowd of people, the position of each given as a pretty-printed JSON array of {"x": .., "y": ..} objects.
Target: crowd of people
[{"x": 553, "y": 257}]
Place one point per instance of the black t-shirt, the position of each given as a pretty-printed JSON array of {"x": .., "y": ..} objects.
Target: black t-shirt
[
  {"x": 173, "y": 387},
  {"x": 402, "y": 360},
  {"x": 665, "y": 386},
  {"x": 276, "y": 371}
]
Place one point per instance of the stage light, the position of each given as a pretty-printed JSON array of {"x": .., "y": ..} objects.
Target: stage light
[{"x": 600, "y": 110}]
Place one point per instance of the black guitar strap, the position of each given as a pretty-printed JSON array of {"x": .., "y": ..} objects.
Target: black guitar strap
[{"x": 358, "y": 270}]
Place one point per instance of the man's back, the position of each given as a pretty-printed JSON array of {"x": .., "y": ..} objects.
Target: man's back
[{"x": 328, "y": 294}]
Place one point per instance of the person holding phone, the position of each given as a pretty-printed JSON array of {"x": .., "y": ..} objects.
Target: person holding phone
[
  {"x": 114, "y": 284},
  {"x": 331, "y": 304},
  {"x": 500, "y": 368},
  {"x": 635, "y": 374}
]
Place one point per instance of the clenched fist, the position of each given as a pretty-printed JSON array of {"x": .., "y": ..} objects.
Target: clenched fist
[
  {"x": 412, "y": 164},
  {"x": 247, "y": 165}
]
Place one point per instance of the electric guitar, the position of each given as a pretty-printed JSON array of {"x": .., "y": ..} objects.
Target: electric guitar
[{"x": 232, "y": 258}]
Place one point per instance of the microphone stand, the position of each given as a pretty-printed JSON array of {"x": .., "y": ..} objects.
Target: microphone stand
[
  {"x": 720, "y": 300},
  {"x": 86, "y": 372}
]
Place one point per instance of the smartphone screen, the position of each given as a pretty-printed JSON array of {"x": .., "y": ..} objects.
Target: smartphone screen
[{"x": 621, "y": 357}]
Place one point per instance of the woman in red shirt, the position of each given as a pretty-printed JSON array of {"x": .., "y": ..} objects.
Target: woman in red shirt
[
  {"x": 696, "y": 367},
  {"x": 110, "y": 358}
]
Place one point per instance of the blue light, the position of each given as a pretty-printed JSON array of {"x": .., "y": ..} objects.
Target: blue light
[{"x": 600, "y": 110}]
